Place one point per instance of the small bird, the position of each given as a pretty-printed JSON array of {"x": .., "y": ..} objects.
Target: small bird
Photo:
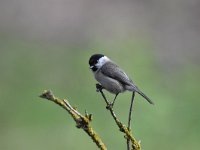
[{"x": 111, "y": 77}]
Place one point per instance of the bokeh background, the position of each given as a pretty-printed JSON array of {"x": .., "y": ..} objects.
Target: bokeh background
[{"x": 46, "y": 44}]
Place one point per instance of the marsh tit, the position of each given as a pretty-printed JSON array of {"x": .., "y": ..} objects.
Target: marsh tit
[{"x": 111, "y": 77}]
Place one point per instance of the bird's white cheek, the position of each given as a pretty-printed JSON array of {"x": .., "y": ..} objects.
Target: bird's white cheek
[
  {"x": 99, "y": 64},
  {"x": 102, "y": 61}
]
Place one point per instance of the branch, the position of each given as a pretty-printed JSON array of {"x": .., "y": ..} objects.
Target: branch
[
  {"x": 135, "y": 145},
  {"x": 82, "y": 121},
  {"x": 129, "y": 120}
]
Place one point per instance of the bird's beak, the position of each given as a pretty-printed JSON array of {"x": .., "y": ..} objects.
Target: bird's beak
[{"x": 91, "y": 67}]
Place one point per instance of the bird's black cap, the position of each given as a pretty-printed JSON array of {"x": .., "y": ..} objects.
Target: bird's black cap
[{"x": 94, "y": 58}]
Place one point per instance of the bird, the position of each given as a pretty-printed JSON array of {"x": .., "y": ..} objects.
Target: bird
[{"x": 112, "y": 78}]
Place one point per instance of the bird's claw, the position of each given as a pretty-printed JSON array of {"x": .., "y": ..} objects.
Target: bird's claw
[
  {"x": 109, "y": 106},
  {"x": 98, "y": 87}
]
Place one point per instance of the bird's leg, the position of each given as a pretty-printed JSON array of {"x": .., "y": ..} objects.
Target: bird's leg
[
  {"x": 114, "y": 99},
  {"x": 112, "y": 104},
  {"x": 99, "y": 88}
]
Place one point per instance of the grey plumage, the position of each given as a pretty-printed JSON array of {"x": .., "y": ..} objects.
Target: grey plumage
[{"x": 116, "y": 81}]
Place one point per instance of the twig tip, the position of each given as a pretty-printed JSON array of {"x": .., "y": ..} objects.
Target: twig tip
[{"x": 47, "y": 94}]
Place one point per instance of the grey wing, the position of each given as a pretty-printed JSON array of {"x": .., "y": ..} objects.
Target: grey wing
[{"x": 113, "y": 71}]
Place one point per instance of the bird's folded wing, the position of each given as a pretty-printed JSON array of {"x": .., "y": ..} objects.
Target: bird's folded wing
[{"x": 113, "y": 71}]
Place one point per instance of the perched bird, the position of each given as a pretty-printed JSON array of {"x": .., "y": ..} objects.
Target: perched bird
[{"x": 111, "y": 77}]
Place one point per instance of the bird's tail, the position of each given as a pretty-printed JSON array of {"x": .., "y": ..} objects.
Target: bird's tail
[
  {"x": 136, "y": 89},
  {"x": 143, "y": 95}
]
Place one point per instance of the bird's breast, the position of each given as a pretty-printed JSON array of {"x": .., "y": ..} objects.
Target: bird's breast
[{"x": 109, "y": 84}]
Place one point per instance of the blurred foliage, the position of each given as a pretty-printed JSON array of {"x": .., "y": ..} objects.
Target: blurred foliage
[{"x": 28, "y": 122}]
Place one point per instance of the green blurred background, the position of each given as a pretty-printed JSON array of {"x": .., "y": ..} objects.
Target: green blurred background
[{"x": 46, "y": 45}]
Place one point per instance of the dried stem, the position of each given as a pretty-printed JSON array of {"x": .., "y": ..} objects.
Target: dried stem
[
  {"x": 129, "y": 119},
  {"x": 134, "y": 144},
  {"x": 82, "y": 121}
]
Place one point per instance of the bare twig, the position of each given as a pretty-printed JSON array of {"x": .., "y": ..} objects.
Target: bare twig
[
  {"x": 82, "y": 121},
  {"x": 129, "y": 119},
  {"x": 130, "y": 111},
  {"x": 134, "y": 144}
]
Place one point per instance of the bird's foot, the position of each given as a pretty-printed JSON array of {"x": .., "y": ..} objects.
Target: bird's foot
[
  {"x": 99, "y": 87},
  {"x": 109, "y": 106}
]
